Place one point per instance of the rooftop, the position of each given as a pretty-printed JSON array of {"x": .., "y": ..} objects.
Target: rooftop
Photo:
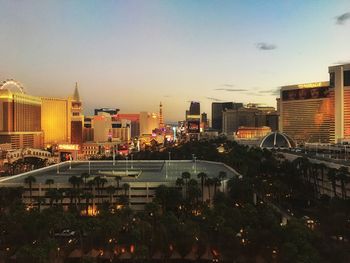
[{"x": 131, "y": 171}]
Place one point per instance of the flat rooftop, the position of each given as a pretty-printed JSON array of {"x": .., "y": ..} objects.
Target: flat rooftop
[{"x": 131, "y": 171}]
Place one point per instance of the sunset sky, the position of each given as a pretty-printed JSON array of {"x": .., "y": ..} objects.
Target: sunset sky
[{"x": 133, "y": 54}]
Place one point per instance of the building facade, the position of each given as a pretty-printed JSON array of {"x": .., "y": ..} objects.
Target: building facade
[
  {"x": 339, "y": 83},
  {"x": 217, "y": 109},
  {"x": 148, "y": 122},
  {"x": 20, "y": 117},
  {"x": 307, "y": 112},
  {"x": 252, "y": 117},
  {"x": 55, "y": 120}
]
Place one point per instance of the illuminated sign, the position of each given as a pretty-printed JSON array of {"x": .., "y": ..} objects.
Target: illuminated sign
[
  {"x": 193, "y": 116},
  {"x": 68, "y": 147},
  {"x": 193, "y": 127},
  {"x": 311, "y": 85}
]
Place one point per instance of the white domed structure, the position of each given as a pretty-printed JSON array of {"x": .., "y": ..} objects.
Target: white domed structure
[{"x": 276, "y": 140}]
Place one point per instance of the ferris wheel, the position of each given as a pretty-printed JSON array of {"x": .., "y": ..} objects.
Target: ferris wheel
[{"x": 9, "y": 83}]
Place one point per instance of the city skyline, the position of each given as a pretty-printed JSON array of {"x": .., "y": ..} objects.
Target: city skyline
[{"x": 170, "y": 51}]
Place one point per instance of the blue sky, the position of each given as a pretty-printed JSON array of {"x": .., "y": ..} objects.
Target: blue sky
[{"x": 134, "y": 54}]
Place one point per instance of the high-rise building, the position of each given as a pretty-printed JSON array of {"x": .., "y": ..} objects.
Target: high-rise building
[
  {"x": 55, "y": 120},
  {"x": 148, "y": 122},
  {"x": 319, "y": 111},
  {"x": 339, "y": 84},
  {"x": 134, "y": 122},
  {"x": 20, "y": 117},
  {"x": 204, "y": 121},
  {"x": 217, "y": 109},
  {"x": 193, "y": 121},
  {"x": 307, "y": 112},
  {"x": 195, "y": 108}
]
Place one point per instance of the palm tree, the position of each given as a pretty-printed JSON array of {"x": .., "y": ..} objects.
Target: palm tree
[
  {"x": 193, "y": 191},
  {"x": 87, "y": 197},
  {"x": 343, "y": 176},
  {"x": 49, "y": 182},
  {"x": 203, "y": 177},
  {"x": 314, "y": 173},
  {"x": 29, "y": 181},
  {"x": 91, "y": 185},
  {"x": 322, "y": 167},
  {"x": 180, "y": 182},
  {"x": 126, "y": 188},
  {"x": 216, "y": 183},
  {"x": 186, "y": 176},
  {"x": 222, "y": 175},
  {"x": 40, "y": 200},
  {"x": 332, "y": 177},
  {"x": 208, "y": 183},
  {"x": 97, "y": 182},
  {"x": 50, "y": 194},
  {"x": 84, "y": 176},
  {"x": 103, "y": 181},
  {"x": 73, "y": 180},
  {"x": 60, "y": 196},
  {"x": 118, "y": 179},
  {"x": 110, "y": 191}
]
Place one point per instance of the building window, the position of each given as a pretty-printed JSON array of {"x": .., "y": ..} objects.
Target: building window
[{"x": 346, "y": 77}]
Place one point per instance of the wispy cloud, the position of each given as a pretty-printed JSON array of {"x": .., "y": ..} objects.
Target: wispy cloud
[
  {"x": 340, "y": 20},
  {"x": 255, "y": 94},
  {"x": 228, "y": 85},
  {"x": 231, "y": 90},
  {"x": 265, "y": 46},
  {"x": 213, "y": 99},
  {"x": 273, "y": 92},
  {"x": 167, "y": 96}
]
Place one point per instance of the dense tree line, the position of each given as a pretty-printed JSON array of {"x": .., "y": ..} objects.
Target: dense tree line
[{"x": 231, "y": 226}]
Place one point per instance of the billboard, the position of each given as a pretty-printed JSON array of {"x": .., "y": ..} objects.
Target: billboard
[
  {"x": 305, "y": 94},
  {"x": 193, "y": 126}
]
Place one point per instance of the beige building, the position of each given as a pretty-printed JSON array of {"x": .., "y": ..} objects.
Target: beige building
[
  {"x": 62, "y": 119},
  {"x": 148, "y": 122},
  {"x": 55, "y": 120},
  {"x": 102, "y": 125}
]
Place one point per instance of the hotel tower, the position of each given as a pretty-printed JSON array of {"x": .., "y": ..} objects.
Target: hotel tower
[{"x": 318, "y": 112}]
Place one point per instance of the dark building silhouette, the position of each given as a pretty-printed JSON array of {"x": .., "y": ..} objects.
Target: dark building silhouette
[{"x": 216, "y": 112}]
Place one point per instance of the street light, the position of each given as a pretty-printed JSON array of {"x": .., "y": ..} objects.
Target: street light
[{"x": 132, "y": 159}]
